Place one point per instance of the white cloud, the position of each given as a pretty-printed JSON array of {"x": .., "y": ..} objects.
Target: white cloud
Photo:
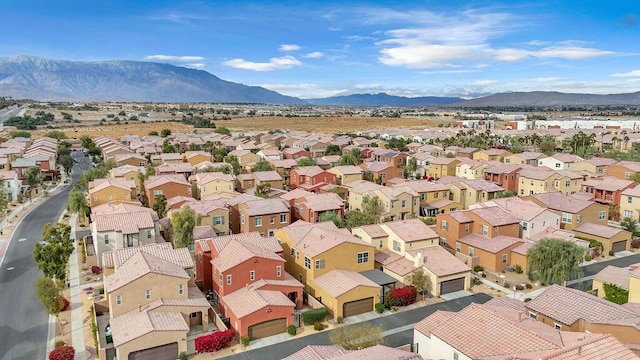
[
  {"x": 280, "y": 63},
  {"x": 334, "y": 29},
  {"x": 314, "y": 55},
  {"x": 461, "y": 71},
  {"x": 414, "y": 54},
  {"x": 536, "y": 43},
  {"x": 545, "y": 79},
  {"x": 289, "y": 47},
  {"x": 195, "y": 62},
  {"x": 485, "y": 82},
  {"x": 634, "y": 73},
  {"x": 571, "y": 52},
  {"x": 359, "y": 38}
]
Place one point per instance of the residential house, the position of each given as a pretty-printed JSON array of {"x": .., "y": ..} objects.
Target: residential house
[
  {"x": 491, "y": 155},
  {"x": 181, "y": 168},
  {"x": 608, "y": 189},
  {"x": 442, "y": 166},
  {"x": 346, "y": 173},
  {"x": 470, "y": 169},
  {"x": 623, "y": 278},
  {"x": 196, "y": 157},
  {"x": 612, "y": 239},
  {"x": 246, "y": 158},
  {"x": 524, "y": 158},
  {"x": 270, "y": 154},
  {"x": 573, "y": 212},
  {"x": 283, "y": 168},
  {"x": 212, "y": 183},
  {"x": 625, "y": 170},
  {"x": 574, "y": 310},
  {"x": 311, "y": 207},
  {"x": 533, "y": 217},
  {"x": 595, "y": 165},
  {"x": 467, "y": 152},
  {"x": 560, "y": 161},
  {"x": 505, "y": 176},
  {"x": 11, "y": 185},
  {"x": 167, "y": 185},
  {"x": 295, "y": 153},
  {"x": 170, "y": 158},
  {"x": 268, "y": 177},
  {"x": 429, "y": 193},
  {"x": 152, "y": 303},
  {"x": 537, "y": 181},
  {"x": 381, "y": 171},
  {"x": 327, "y": 260},
  {"x": 131, "y": 159},
  {"x": 630, "y": 203},
  {"x": 127, "y": 172},
  {"x": 102, "y": 191},
  {"x": 329, "y": 352},
  {"x": 263, "y": 215},
  {"x": 213, "y": 213},
  {"x": 469, "y": 192},
  {"x": 311, "y": 178},
  {"x": 422, "y": 163},
  {"x": 447, "y": 335}
]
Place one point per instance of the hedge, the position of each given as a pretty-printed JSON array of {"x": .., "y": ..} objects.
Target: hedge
[
  {"x": 214, "y": 341},
  {"x": 65, "y": 352},
  {"x": 400, "y": 297},
  {"x": 313, "y": 316}
]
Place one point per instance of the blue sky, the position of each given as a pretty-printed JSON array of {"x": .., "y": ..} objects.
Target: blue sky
[{"x": 322, "y": 48}]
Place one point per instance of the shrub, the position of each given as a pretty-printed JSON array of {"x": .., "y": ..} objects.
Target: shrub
[
  {"x": 518, "y": 269},
  {"x": 215, "y": 341},
  {"x": 314, "y": 316},
  {"x": 506, "y": 284},
  {"x": 318, "y": 326},
  {"x": 379, "y": 308},
  {"x": 245, "y": 340},
  {"x": 65, "y": 304},
  {"x": 340, "y": 320},
  {"x": 611, "y": 253},
  {"x": 60, "y": 343},
  {"x": 587, "y": 258},
  {"x": 401, "y": 296},
  {"x": 292, "y": 330},
  {"x": 528, "y": 286},
  {"x": 478, "y": 268},
  {"x": 635, "y": 243},
  {"x": 96, "y": 270},
  {"x": 65, "y": 352},
  {"x": 183, "y": 356}
]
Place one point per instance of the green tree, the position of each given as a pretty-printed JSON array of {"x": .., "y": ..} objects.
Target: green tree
[
  {"x": 222, "y": 130},
  {"x": 34, "y": 178},
  {"x": 222, "y": 169},
  {"x": 305, "y": 161},
  {"x": 66, "y": 161},
  {"x": 263, "y": 190},
  {"x": 367, "y": 175},
  {"x": 182, "y": 223},
  {"x": 50, "y": 296},
  {"x": 615, "y": 294},
  {"x": 506, "y": 194},
  {"x": 78, "y": 203},
  {"x": 56, "y": 134},
  {"x": 333, "y": 150},
  {"x": 554, "y": 261},
  {"x": 20, "y": 133},
  {"x": 235, "y": 164},
  {"x": 369, "y": 214},
  {"x": 160, "y": 205},
  {"x": 357, "y": 336},
  {"x": 629, "y": 224},
  {"x": 52, "y": 254},
  {"x": 420, "y": 281},
  {"x": 332, "y": 216},
  {"x": 165, "y": 132},
  {"x": 262, "y": 165},
  {"x": 153, "y": 133}
]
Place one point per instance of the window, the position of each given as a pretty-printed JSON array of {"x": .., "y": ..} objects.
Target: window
[
  {"x": 293, "y": 252},
  {"x": 505, "y": 258},
  {"x": 442, "y": 241},
  {"x": 95, "y": 197},
  {"x": 242, "y": 219},
  {"x": 148, "y": 234},
  {"x": 181, "y": 288},
  {"x": 443, "y": 225},
  {"x": 106, "y": 238},
  {"x": 271, "y": 232},
  {"x": 627, "y": 175},
  {"x": 458, "y": 247},
  {"x": 404, "y": 203},
  {"x": 470, "y": 251},
  {"x": 567, "y": 218},
  {"x": 307, "y": 262},
  {"x": 193, "y": 315},
  {"x": 578, "y": 218},
  {"x": 218, "y": 220},
  {"x": 558, "y": 165},
  {"x": 229, "y": 279},
  {"x": 147, "y": 294},
  {"x": 602, "y": 215},
  {"x": 534, "y": 316},
  {"x": 629, "y": 199},
  {"x": 283, "y": 218},
  {"x": 157, "y": 193},
  {"x": 272, "y": 220},
  {"x": 628, "y": 213},
  {"x": 320, "y": 264},
  {"x": 258, "y": 221},
  {"x": 567, "y": 183},
  {"x": 422, "y": 197},
  {"x": 110, "y": 197},
  {"x": 220, "y": 280},
  {"x": 557, "y": 326},
  {"x": 455, "y": 356},
  {"x": 363, "y": 257},
  {"x": 466, "y": 228},
  {"x": 278, "y": 271},
  {"x": 485, "y": 230},
  {"x": 525, "y": 225},
  {"x": 397, "y": 246},
  {"x": 252, "y": 275},
  {"x": 435, "y": 195}
]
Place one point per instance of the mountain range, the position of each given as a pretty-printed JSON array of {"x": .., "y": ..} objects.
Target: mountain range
[{"x": 26, "y": 77}]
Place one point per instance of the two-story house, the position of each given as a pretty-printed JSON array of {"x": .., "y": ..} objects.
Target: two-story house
[
  {"x": 212, "y": 183},
  {"x": 470, "y": 169},
  {"x": 311, "y": 178},
  {"x": 213, "y": 213},
  {"x": 346, "y": 173},
  {"x": 311, "y": 207},
  {"x": 595, "y": 165},
  {"x": 102, "y": 191},
  {"x": 491, "y": 155},
  {"x": 196, "y": 157},
  {"x": 381, "y": 171},
  {"x": 608, "y": 189},
  {"x": 131, "y": 159},
  {"x": 469, "y": 192},
  {"x": 263, "y": 215},
  {"x": 560, "y": 161},
  {"x": 630, "y": 203},
  {"x": 505, "y": 176},
  {"x": 167, "y": 185},
  {"x": 573, "y": 212},
  {"x": 625, "y": 170},
  {"x": 524, "y": 158},
  {"x": 127, "y": 172},
  {"x": 442, "y": 166}
]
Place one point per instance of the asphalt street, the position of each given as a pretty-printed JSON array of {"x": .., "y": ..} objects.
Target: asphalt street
[
  {"x": 9, "y": 112},
  {"x": 389, "y": 322},
  {"x": 23, "y": 320}
]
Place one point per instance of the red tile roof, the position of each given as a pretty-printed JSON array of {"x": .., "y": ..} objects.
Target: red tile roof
[{"x": 338, "y": 282}]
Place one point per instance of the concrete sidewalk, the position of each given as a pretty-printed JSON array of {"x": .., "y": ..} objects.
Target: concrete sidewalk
[{"x": 77, "y": 324}]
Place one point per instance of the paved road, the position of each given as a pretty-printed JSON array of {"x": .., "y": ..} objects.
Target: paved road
[
  {"x": 23, "y": 320},
  {"x": 9, "y": 112},
  {"x": 389, "y": 322},
  {"x": 592, "y": 269}
]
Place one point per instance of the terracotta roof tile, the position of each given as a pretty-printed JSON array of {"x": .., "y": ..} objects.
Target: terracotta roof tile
[
  {"x": 141, "y": 264},
  {"x": 495, "y": 216},
  {"x": 374, "y": 230},
  {"x": 164, "y": 251},
  {"x": 615, "y": 276},
  {"x": 439, "y": 261},
  {"x": 410, "y": 230},
  {"x": 317, "y": 352},
  {"x": 599, "y": 230},
  {"x": 236, "y": 252},
  {"x": 492, "y": 245},
  {"x": 378, "y": 352},
  {"x": 134, "y": 324},
  {"x": 248, "y": 300},
  {"x": 252, "y": 238},
  {"x": 266, "y": 206},
  {"x": 337, "y": 282},
  {"x": 314, "y": 240}
]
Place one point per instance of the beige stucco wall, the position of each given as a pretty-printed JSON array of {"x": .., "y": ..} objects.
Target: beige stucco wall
[
  {"x": 335, "y": 305},
  {"x": 151, "y": 340},
  {"x": 634, "y": 289},
  {"x": 133, "y": 294},
  {"x": 215, "y": 187}
]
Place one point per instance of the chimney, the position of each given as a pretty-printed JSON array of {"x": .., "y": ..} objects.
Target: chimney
[{"x": 418, "y": 261}]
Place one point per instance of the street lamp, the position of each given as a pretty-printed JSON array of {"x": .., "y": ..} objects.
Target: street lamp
[{"x": 514, "y": 291}]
